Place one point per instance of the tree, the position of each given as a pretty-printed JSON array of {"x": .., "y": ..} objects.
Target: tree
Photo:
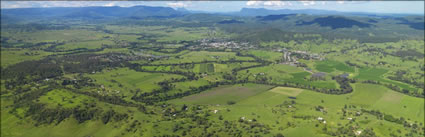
[{"x": 279, "y": 135}]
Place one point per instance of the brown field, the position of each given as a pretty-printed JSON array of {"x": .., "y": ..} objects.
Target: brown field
[{"x": 287, "y": 91}]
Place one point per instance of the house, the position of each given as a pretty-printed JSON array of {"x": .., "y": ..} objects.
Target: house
[{"x": 358, "y": 132}]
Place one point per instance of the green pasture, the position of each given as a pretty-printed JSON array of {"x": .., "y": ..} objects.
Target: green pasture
[
  {"x": 127, "y": 80},
  {"x": 268, "y": 107},
  {"x": 200, "y": 56},
  {"x": 10, "y": 57}
]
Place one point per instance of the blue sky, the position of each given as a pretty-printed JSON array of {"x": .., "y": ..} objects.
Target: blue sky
[{"x": 416, "y": 7}]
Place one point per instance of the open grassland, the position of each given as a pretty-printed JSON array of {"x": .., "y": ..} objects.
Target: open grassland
[
  {"x": 10, "y": 57},
  {"x": 12, "y": 125},
  {"x": 281, "y": 73},
  {"x": 224, "y": 94},
  {"x": 203, "y": 56},
  {"x": 377, "y": 75},
  {"x": 287, "y": 91},
  {"x": 330, "y": 66},
  {"x": 161, "y": 33},
  {"x": 55, "y": 35},
  {"x": 97, "y": 44},
  {"x": 271, "y": 108},
  {"x": 124, "y": 80}
]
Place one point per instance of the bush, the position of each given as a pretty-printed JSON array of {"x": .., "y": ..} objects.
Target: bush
[{"x": 231, "y": 102}]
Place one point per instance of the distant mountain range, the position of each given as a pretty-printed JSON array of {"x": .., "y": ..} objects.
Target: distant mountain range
[
  {"x": 93, "y": 12},
  {"x": 321, "y": 17},
  {"x": 252, "y": 24},
  {"x": 264, "y": 12},
  {"x": 148, "y": 11}
]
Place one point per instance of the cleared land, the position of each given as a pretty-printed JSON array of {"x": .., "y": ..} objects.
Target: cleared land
[
  {"x": 287, "y": 91},
  {"x": 223, "y": 94}
]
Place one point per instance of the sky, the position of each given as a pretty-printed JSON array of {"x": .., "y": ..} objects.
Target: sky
[{"x": 411, "y": 7}]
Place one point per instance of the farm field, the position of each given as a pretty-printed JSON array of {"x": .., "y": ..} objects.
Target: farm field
[
  {"x": 225, "y": 94},
  {"x": 269, "y": 107},
  {"x": 121, "y": 81},
  {"x": 153, "y": 71}
]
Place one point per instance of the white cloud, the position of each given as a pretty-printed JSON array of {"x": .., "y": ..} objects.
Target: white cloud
[
  {"x": 268, "y": 3},
  {"x": 254, "y": 3},
  {"x": 308, "y": 3},
  {"x": 274, "y": 3},
  {"x": 110, "y": 4},
  {"x": 340, "y": 2},
  {"x": 178, "y": 5}
]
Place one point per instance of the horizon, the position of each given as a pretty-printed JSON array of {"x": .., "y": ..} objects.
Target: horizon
[{"x": 379, "y": 7}]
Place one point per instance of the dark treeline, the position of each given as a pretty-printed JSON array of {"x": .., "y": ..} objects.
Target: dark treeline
[
  {"x": 5, "y": 44},
  {"x": 352, "y": 64},
  {"x": 138, "y": 67},
  {"x": 32, "y": 27},
  {"x": 44, "y": 115},
  {"x": 156, "y": 97},
  {"x": 36, "y": 69},
  {"x": 171, "y": 23},
  {"x": 390, "y": 118},
  {"x": 202, "y": 62},
  {"x": 159, "y": 46},
  {"x": 400, "y": 76},
  {"x": 344, "y": 84}
]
